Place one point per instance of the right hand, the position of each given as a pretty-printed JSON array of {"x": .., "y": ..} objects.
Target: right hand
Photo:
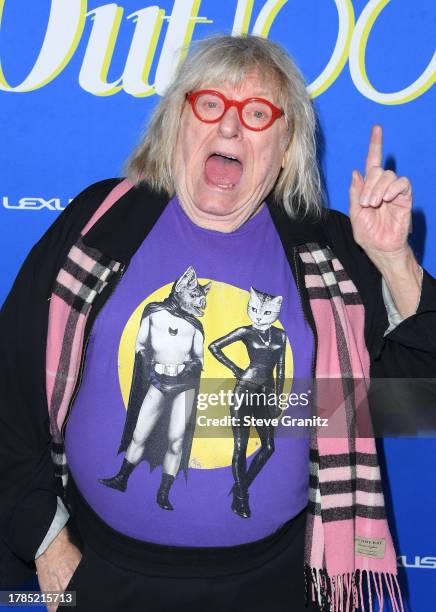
[{"x": 57, "y": 564}]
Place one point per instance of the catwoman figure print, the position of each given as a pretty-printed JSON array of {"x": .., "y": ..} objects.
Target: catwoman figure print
[{"x": 266, "y": 347}]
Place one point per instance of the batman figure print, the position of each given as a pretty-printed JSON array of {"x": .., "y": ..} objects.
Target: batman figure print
[{"x": 160, "y": 418}]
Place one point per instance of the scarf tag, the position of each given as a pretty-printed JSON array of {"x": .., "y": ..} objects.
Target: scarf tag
[{"x": 370, "y": 547}]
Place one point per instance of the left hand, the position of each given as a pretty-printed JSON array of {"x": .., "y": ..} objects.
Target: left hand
[
  {"x": 56, "y": 565},
  {"x": 380, "y": 207}
]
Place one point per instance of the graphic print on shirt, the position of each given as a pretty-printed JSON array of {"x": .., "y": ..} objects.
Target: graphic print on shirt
[
  {"x": 256, "y": 387},
  {"x": 161, "y": 410},
  {"x": 162, "y": 404}
]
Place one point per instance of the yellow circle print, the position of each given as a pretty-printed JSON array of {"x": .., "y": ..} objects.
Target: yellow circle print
[{"x": 225, "y": 311}]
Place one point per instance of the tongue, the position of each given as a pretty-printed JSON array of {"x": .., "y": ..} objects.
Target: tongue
[{"x": 220, "y": 170}]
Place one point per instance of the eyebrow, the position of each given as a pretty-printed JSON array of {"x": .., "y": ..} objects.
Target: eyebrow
[
  {"x": 259, "y": 94},
  {"x": 262, "y": 94}
]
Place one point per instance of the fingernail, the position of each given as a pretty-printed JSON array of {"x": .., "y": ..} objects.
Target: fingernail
[
  {"x": 364, "y": 201},
  {"x": 374, "y": 200}
]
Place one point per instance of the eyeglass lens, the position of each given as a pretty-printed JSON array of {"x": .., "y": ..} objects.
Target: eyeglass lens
[{"x": 255, "y": 113}]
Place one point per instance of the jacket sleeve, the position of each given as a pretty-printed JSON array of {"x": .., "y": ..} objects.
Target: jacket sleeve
[
  {"x": 59, "y": 521},
  {"x": 28, "y": 488},
  {"x": 402, "y": 355}
]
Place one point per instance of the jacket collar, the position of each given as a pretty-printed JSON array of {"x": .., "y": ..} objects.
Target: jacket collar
[
  {"x": 293, "y": 232},
  {"x": 120, "y": 231}
]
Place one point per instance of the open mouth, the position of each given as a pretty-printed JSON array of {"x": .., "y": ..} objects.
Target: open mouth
[
  {"x": 223, "y": 170},
  {"x": 198, "y": 311}
]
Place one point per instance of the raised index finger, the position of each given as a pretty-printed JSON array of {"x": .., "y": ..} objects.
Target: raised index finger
[{"x": 374, "y": 157}]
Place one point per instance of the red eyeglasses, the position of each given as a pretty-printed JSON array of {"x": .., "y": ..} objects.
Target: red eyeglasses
[{"x": 210, "y": 106}]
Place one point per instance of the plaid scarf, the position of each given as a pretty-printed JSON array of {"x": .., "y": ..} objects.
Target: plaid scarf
[
  {"x": 84, "y": 274},
  {"x": 347, "y": 536}
]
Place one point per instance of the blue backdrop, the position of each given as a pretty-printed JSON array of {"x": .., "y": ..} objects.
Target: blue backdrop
[{"x": 79, "y": 78}]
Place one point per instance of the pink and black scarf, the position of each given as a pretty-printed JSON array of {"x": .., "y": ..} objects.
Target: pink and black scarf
[
  {"x": 348, "y": 541},
  {"x": 349, "y": 550}
]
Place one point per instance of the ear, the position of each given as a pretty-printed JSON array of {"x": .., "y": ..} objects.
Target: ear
[
  {"x": 277, "y": 301},
  {"x": 188, "y": 277},
  {"x": 206, "y": 288},
  {"x": 252, "y": 293}
]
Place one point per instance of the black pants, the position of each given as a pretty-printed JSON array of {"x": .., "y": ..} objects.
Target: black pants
[
  {"x": 253, "y": 405},
  {"x": 122, "y": 574}
]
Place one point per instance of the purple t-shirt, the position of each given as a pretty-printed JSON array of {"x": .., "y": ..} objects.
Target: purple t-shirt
[{"x": 208, "y": 294}]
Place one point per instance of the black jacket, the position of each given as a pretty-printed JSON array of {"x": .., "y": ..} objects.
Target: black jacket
[{"x": 28, "y": 489}]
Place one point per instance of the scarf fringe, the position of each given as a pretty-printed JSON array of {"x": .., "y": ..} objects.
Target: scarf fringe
[{"x": 345, "y": 592}]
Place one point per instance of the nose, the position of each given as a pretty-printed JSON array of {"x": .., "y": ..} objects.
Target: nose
[{"x": 229, "y": 125}]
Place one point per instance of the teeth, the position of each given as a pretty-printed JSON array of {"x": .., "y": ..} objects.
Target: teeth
[
  {"x": 227, "y": 156},
  {"x": 226, "y": 186}
]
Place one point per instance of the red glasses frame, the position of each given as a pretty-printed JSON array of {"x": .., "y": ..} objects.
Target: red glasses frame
[{"x": 239, "y": 104}]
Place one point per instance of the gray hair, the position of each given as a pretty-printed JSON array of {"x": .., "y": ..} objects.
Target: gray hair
[{"x": 229, "y": 59}]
